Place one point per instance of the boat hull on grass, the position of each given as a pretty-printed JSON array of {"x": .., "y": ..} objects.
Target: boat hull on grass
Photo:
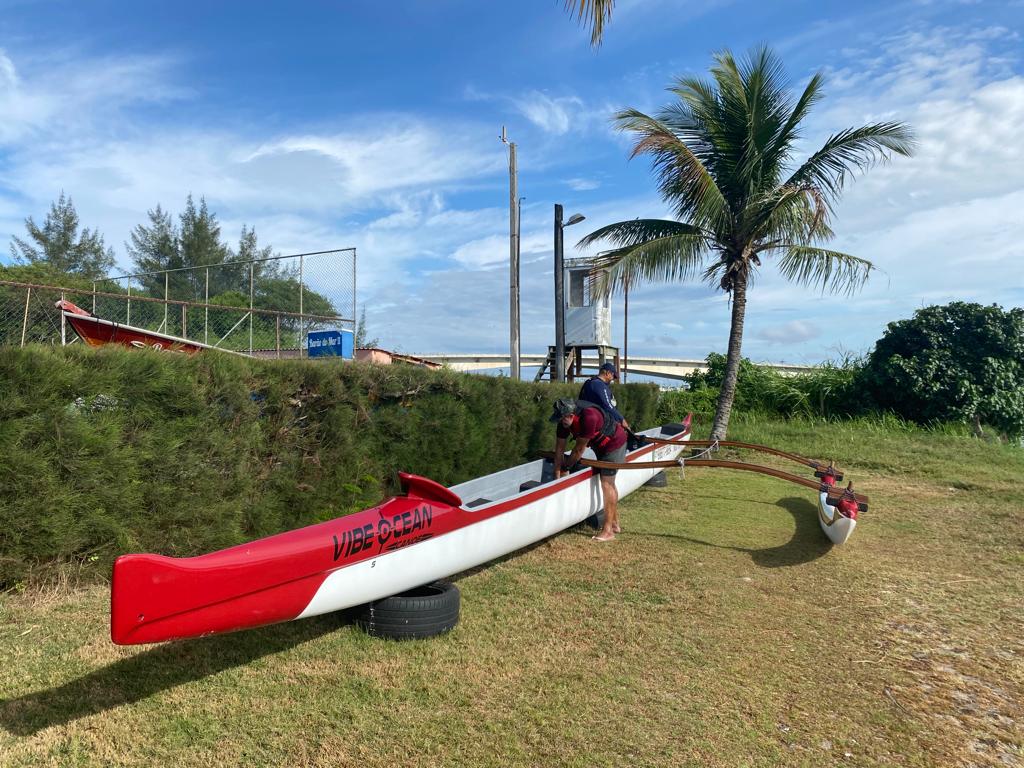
[{"x": 429, "y": 533}]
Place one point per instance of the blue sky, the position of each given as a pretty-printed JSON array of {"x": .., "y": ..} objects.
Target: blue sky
[{"x": 376, "y": 125}]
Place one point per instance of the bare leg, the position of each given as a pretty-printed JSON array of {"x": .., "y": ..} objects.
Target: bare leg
[{"x": 611, "y": 509}]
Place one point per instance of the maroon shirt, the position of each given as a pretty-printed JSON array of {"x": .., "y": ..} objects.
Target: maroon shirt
[{"x": 587, "y": 425}]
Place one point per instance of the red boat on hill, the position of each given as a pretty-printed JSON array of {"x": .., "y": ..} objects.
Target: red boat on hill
[{"x": 96, "y": 332}]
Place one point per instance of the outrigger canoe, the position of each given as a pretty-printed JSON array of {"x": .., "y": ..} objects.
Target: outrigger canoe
[
  {"x": 96, "y": 332},
  {"x": 429, "y": 532}
]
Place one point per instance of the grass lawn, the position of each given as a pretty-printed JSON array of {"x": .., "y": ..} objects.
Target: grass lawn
[{"x": 719, "y": 630}]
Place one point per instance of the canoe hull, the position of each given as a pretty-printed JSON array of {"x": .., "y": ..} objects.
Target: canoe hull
[
  {"x": 97, "y": 332},
  {"x": 403, "y": 543}
]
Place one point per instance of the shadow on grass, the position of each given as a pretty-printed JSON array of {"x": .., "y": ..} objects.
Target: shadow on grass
[
  {"x": 808, "y": 542},
  {"x": 165, "y": 666}
]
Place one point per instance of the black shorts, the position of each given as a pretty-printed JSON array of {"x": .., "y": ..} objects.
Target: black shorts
[{"x": 617, "y": 456}]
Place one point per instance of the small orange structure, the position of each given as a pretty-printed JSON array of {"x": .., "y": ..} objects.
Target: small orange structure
[{"x": 385, "y": 357}]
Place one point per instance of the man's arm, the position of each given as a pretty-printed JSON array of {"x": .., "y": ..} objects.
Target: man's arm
[
  {"x": 577, "y": 452},
  {"x": 559, "y": 450}
]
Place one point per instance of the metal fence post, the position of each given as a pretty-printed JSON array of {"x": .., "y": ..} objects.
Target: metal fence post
[
  {"x": 24, "y": 322},
  {"x": 302, "y": 320},
  {"x": 206, "y": 310},
  {"x": 94, "y": 297},
  {"x": 63, "y": 325},
  {"x": 167, "y": 296},
  {"x": 252, "y": 281},
  {"x": 184, "y": 321},
  {"x": 278, "y": 344},
  {"x": 128, "y": 317}
]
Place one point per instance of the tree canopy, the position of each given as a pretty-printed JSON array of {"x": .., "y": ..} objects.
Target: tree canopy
[
  {"x": 957, "y": 362},
  {"x": 58, "y": 245}
]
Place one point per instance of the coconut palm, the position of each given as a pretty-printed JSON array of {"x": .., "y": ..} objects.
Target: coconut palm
[
  {"x": 596, "y": 13},
  {"x": 723, "y": 157}
]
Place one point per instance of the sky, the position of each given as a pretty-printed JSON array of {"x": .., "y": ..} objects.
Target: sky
[{"x": 376, "y": 126}]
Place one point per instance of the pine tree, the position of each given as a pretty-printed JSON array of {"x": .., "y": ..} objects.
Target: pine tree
[
  {"x": 155, "y": 248},
  {"x": 200, "y": 246},
  {"x": 59, "y": 246}
]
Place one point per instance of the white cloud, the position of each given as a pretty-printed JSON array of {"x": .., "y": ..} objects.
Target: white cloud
[
  {"x": 788, "y": 333},
  {"x": 583, "y": 185},
  {"x": 551, "y": 114}
]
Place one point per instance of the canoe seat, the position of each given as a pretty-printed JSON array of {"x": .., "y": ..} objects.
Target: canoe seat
[
  {"x": 477, "y": 503},
  {"x": 528, "y": 485}
]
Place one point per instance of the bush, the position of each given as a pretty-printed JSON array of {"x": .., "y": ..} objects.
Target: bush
[
  {"x": 113, "y": 450},
  {"x": 828, "y": 391},
  {"x": 959, "y": 362}
]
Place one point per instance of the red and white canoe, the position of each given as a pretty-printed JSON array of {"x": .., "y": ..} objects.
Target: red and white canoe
[
  {"x": 429, "y": 533},
  {"x": 96, "y": 332}
]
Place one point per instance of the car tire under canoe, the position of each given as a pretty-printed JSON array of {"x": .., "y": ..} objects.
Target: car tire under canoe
[{"x": 426, "y": 611}]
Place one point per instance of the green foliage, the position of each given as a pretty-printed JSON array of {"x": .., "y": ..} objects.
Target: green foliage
[
  {"x": 829, "y": 390},
  {"x": 59, "y": 247},
  {"x": 112, "y": 450},
  {"x": 958, "y": 362}
]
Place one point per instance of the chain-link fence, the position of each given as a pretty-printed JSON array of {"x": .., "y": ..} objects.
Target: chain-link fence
[{"x": 266, "y": 306}]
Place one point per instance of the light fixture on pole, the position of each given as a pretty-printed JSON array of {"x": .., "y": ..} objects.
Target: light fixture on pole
[{"x": 559, "y": 361}]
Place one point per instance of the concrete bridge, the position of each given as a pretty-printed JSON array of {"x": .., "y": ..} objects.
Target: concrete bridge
[{"x": 660, "y": 367}]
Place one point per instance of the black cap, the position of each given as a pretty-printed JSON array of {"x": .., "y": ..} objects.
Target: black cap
[
  {"x": 563, "y": 407},
  {"x": 610, "y": 368}
]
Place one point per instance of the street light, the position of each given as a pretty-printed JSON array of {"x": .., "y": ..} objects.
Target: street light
[{"x": 559, "y": 361}]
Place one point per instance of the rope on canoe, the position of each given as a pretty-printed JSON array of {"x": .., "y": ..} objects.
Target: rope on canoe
[{"x": 682, "y": 459}]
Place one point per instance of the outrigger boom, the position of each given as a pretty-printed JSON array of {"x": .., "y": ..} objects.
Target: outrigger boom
[{"x": 838, "y": 508}]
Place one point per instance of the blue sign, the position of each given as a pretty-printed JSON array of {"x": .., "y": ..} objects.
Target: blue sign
[{"x": 330, "y": 344}]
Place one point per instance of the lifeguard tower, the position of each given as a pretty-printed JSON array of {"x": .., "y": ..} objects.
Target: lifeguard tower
[{"x": 588, "y": 324}]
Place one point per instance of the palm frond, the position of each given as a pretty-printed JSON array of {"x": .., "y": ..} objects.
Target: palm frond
[
  {"x": 789, "y": 215},
  {"x": 855, "y": 148},
  {"x": 832, "y": 271},
  {"x": 683, "y": 178},
  {"x": 596, "y": 13},
  {"x": 651, "y": 250}
]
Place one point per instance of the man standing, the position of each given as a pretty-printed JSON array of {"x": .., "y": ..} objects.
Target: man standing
[
  {"x": 591, "y": 426},
  {"x": 597, "y": 389}
]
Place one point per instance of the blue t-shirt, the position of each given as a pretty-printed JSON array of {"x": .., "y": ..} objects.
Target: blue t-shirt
[{"x": 596, "y": 391}]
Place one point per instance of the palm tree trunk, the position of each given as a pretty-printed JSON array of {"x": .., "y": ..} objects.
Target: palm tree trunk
[{"x": 720, "y": 427}]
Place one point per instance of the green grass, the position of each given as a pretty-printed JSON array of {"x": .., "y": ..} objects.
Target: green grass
[{"x": 719, "y": 630}]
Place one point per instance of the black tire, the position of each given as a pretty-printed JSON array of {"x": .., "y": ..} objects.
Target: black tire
[
  {"x": 672, "y": 429},
  {"x": 426, "y": 611}
]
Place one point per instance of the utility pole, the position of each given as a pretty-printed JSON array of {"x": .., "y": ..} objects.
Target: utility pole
[
  {"x": 513, "y": 247},
  {"x": 559, "y": 361}
]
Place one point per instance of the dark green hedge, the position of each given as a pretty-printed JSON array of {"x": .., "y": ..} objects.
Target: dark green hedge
[{"x": 110, "y": 451}]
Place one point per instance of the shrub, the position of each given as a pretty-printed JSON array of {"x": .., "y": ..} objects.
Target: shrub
[
  {"x": 113, "y": 450},
  {"x": 958, "y": 362}
]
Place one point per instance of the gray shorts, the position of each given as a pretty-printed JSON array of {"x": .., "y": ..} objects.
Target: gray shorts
[{"x": 617, "y": 456}]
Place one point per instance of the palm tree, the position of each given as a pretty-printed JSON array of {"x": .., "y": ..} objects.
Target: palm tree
[
  {"x": 722, "y": 155},
  {"x": 596, "y": 13}
]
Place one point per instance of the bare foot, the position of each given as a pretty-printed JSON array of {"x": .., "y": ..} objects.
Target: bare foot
[
  {"x": 603, "y": 537},
  {"x": 616, "y": 528}
]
